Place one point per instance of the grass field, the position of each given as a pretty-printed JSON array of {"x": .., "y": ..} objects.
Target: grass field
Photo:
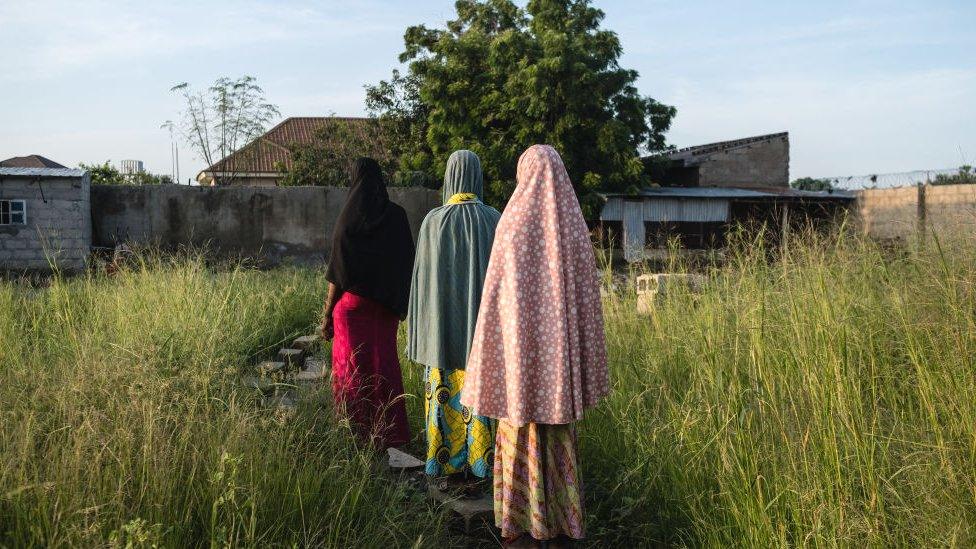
[{"x": 824, "y": 398}]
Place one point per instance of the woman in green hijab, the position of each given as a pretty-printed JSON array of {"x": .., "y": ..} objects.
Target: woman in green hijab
[{"x": 452, "y": 256}]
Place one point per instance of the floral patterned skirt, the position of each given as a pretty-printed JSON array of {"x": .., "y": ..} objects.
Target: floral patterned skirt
[
  {"x": 537, "y": 489},
  {"x": 456, "y": 439}
]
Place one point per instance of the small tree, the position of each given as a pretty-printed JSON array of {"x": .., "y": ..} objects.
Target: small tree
[
  {"x": 964, "y": 176},
  {"x": 326, "y": 160},
  {"x": 812, "y": 184},
  {"x": 106, "y": 174},
  {"x": 224, "y": 119}
]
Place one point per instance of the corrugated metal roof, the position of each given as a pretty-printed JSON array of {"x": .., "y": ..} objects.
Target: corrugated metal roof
[
  {"x": 731, "y": 193},
  {"x": 41, "y": 172}
]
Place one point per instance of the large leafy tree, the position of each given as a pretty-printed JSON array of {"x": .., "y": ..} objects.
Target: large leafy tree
[{"x": 499, "y": 78}]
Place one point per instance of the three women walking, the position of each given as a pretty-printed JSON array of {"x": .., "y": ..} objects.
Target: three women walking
[{"x": 505, "y": 315}]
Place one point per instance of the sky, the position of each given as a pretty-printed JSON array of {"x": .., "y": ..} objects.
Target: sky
[{"x": 863, "y": 87}]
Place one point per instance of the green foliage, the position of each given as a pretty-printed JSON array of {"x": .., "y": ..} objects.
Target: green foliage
[
  {"x": 500, "y": 78},
  {"x": 106, "y": 174},
  {"x": 124, "y": 422},
  {"x": 812, "y": 184},
  {"x": 965, "y": 176},
  {"x": 326, "y": 160}
]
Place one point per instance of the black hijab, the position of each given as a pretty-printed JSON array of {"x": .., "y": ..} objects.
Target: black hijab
[{"x": 372, "y": 247}]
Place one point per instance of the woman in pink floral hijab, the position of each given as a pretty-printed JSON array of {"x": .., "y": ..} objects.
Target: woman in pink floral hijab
[{"x": 538, "y": 358}]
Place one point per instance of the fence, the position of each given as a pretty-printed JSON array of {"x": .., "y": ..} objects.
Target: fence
[
  {"x": 270, "y": 223},
  {"x": 901, "y": 213}
]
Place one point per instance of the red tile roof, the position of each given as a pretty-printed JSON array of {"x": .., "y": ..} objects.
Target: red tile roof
[
  {"x": 30, "y": 161},
  {"x": 270, "y": 153}
]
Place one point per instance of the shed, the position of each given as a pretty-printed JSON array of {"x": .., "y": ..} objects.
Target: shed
[
  {"x": 45, "y": 219},
  {"x": 700, "y": 217}
]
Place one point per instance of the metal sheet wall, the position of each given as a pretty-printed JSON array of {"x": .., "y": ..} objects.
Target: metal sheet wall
[{"x": 669, "y": 209}]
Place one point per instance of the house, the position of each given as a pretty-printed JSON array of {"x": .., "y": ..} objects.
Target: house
[
  {"x": 30, "y": 161},
  {"x": 644, "y": 225},
  {"x": 264, "y": 161},
  {"x": 760, "y": 161},
  {"x": 45, "y": 215},
  {"x": 705, "y": 191}
]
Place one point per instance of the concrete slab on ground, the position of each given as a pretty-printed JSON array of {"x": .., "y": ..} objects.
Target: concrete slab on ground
[
  {"x": 475, "y": 513},
  {"x": 402, "y": 461}
]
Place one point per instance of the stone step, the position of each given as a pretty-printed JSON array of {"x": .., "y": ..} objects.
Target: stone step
[
  {"x": 314, "y": 371},
  {"x": 475, "y": 513},
  {"x": 308, "y": 343},
  {"x": 270, "y": 367},
  {"x": 400, "y": 461},
  {"x": 293, "y": 358}
]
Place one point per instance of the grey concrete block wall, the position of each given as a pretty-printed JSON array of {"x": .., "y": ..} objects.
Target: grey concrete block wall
[
  {"x": 760, "y": 164},
  {"x": 58, "y": 230},
  {"x": 270, "y": 223}
]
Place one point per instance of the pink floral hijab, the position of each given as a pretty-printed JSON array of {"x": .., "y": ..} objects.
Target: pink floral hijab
[{"x": 539, "y": 354}]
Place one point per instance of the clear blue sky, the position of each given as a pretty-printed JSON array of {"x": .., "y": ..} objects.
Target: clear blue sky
[{"x": 862, "y": 86}]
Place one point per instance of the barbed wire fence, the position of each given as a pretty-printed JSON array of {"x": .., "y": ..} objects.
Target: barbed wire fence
[{"x": 889, "y": 180}]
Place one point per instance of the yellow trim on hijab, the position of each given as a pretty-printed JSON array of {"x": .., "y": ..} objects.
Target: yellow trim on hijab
[{"x": 461, "y": 198}]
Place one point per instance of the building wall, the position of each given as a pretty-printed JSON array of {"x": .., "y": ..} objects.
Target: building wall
[
  {"x": 761, "y": 164},
  {"x": 58, "y": 228},
  {"x": 894, "y": 214},
  {"x": 270, "y": 223}
]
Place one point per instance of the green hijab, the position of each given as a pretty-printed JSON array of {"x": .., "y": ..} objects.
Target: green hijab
[{"x": 452, "y": 256}]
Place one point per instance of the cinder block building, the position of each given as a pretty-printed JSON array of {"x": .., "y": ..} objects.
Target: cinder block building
[
  {"x": 45, "y": 219},
  {"x": 760, "y": 161}
]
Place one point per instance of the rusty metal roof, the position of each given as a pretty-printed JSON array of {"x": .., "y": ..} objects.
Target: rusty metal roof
[{"x": 271, "y": 152}]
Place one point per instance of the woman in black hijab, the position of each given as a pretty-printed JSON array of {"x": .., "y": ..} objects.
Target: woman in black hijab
[{"x": 369, "y": 288}]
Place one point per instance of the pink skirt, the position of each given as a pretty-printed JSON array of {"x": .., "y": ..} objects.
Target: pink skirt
[{"x": 367, "y": 384}]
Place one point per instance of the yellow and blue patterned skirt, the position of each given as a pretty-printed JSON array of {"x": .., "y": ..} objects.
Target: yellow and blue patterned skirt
[{"x": 456, "y": 439}]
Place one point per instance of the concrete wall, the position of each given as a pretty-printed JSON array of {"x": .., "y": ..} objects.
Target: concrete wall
[
  {"x": 58, "y": 228},
  {"x": 950, "y": 209},
  {"x": 760, "y": 164},
  {"x": 888, "y": 214},
  {"x": 893, "y": 214},
  {"x": 271, "y": 223}
]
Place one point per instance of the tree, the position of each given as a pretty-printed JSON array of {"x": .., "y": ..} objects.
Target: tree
[
  {"x": 500, "y": 78},
  {"x": 224, "y": 119},
  {"x": 106, "y": 174},
  {"x": 812, "y": 184},
  {"x": 326, "y": 160},
  {"x": 964, "y": 176}
]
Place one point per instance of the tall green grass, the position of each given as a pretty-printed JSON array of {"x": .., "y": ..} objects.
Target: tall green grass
[
  {"x": 124, "y": 423},
  {"x": 823, "y": 397}
]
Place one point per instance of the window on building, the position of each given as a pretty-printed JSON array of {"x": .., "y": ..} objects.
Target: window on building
[{"x": 13, "y": 212}]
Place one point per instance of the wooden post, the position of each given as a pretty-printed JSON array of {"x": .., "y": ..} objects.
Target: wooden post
[
  {"x": 921, "y": 212},
  {"x": 786, "y": 226}
]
